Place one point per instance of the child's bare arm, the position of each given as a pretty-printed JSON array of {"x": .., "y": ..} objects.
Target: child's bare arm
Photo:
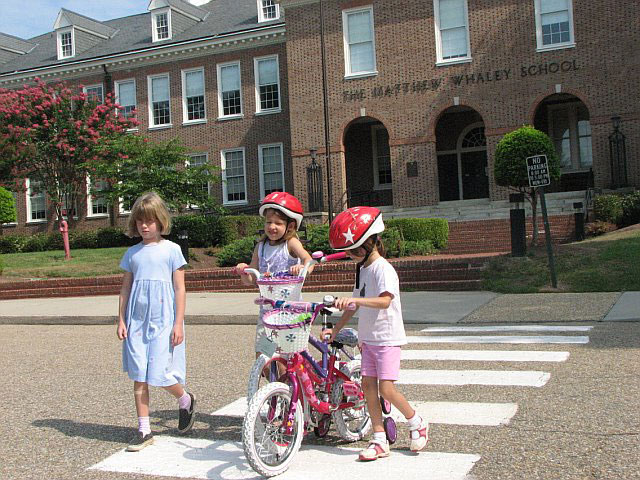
[
  {"x": 381, "y": 302},
  {"x": 297, "y": 250},
  {"x": 180, "y": 290},
  {"x": 123, "y": 299},
  {"x": 247, "y": 278}
]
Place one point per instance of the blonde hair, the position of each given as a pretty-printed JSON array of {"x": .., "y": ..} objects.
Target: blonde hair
[
  {"x": 149, "y": 206},
  {"x": 289, "y": 233}
]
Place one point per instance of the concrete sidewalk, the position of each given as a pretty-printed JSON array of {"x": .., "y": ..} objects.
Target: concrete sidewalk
[{"x": 418, "y": 308}]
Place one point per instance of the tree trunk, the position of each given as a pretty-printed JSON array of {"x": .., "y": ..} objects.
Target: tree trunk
[{"x": 533, "y": 200}]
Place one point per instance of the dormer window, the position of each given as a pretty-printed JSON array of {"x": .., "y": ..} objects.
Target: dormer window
[
  {"x": 65, "y": 44},
  {"x": 268, "y": 10},
  {"x": 162, "y": 25}
]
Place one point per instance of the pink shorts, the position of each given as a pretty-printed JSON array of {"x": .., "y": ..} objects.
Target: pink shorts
[{"x": 380, "y": 362}]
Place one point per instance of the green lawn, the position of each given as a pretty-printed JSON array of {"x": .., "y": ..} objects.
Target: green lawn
[
  {"x": 604, "y": 264},
  {"x": 84, "y": 263}
]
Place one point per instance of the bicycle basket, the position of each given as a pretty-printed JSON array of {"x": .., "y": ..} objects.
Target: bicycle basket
[
  {"x": 289, "y": 329},
  {"x": 281, "y": 287}
]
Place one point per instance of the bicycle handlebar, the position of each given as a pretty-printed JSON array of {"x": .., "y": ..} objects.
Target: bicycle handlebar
[{"x": 327, "y": 302}]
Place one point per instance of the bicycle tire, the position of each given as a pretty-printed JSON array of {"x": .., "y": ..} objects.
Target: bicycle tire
[
  {"x": 256, "y": 379},
  {"x": 359, "y": 416},
  {"x": 265, "y": 414}
]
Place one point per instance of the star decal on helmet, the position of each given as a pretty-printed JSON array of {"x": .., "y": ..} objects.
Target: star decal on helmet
[
  {"x": 366, "y": 218},
  {"x": 348, "y": 236}
]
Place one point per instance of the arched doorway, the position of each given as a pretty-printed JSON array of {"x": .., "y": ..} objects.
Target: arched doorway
[
  {"x": 565, "y": 118},
  {"x": 367, "y": 163},
  {"x": 461, "y": 148}
]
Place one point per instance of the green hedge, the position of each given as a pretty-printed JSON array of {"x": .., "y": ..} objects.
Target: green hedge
[
  {"x": 631, "y": 209},
  {"x": 216, "y": 230},
  {"x": 237, "y": 252},
  {"x": 1, "y": 265},
  {"x": 435, "y": 230},
  {"x": 40, "y": 242},
  {"x": 623, "y": 210}
]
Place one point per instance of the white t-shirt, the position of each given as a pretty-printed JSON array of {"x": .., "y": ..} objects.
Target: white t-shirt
[{"x": 383, "y": 327}]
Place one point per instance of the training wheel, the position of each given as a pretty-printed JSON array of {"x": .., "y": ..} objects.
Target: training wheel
[
  {"x": 390, "y": 430},
  {"x": 323, "y": 426},
  {"x": 385, "y": 405}
]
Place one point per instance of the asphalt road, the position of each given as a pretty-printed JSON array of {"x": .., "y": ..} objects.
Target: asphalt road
[{"x": 68, "y": 406}]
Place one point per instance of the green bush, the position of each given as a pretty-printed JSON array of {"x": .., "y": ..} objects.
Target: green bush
[
  {"x": 233, "y": 227},
  {"x": 608, "y": 208},
  {"x": 237, "y": 252},
  {"x": 216, "y": 230},
  {"x": 7, "y": 206},
  {"x": 599, "y": 227},
  {"x": 392, "y": 239},
  {"x": 82, "y": 239},
  {"x": 435, "y": 230},
  {"x": 630, "y": 209},
  {"x": 1, "y": 265},
  {"x": 318, "y": 239},
  {"x": 113, "y": 237},
  {"x": 417, "y": 247},
  {"x": 37, "y": 242},
  {"x": 12, "y": 243}
]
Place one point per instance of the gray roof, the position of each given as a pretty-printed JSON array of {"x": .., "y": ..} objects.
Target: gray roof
[
  {"x": 15, "y": 43},
  {"x": 134, "y": 34},
  {"x": 88, "y": 23},
  {"x": 188, "y": 8}
]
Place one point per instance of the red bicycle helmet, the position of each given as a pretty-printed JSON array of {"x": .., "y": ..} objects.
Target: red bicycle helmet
[
  {"x": 286, "y": 203},
  {"x": 352, "y": 227}
]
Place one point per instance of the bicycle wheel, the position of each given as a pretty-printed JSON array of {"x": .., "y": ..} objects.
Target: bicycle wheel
[
  {"x": 352, "y": 423},
  {"x": 390, "y": 430},
  {"x": 269, "y": 450},
  {"x": 258, "y": 377}
]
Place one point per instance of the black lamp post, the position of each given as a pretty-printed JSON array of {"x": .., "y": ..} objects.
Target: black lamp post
[
  {"x": 314, "y": 183},
  {"x": 325, "y": 102},
  {"x": 618, "y": 155}
]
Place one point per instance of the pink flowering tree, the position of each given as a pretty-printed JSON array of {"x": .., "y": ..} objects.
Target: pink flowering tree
[{"x": 51, "y": 135}]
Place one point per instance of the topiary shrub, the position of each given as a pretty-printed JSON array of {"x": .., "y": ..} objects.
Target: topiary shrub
[
  {"x": 7, "y": 206},
  {"x": 318, "y": 239},
  {"x": 417, "y": 247},
  {"x": 393, "y": 242},
  {"x": 236, "y": 252},
  {"x": 203, "y": 230},
  {"x": 608, "y": 208},
  {"x": 435, "y": 230},
  {"x": 630, "y": 209}
]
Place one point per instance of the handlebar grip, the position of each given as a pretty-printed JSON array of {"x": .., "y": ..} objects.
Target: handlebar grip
[
  {"x": 352, "y": 306},
  {"x": 334, "y": 256}
]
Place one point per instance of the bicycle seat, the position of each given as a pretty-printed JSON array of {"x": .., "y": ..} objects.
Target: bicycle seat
[{"x": 348, "y": 337}]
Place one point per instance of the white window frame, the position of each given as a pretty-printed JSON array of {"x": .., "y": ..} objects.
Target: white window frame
[
  {"x": 261, "y": 17},
  {"x": 256, "y": 62},
  {"x": 28, "y": 204},
  {"x": 152, "y": 125},
  {"x": 574, "y": 136},
  {"x": 117, "y": 85},
  {"x": 436, "y": 20},
  {"x": 221, "y": 115},
  {"x": 555, "y": 46},
  {"x": 345, "y": 42},
  {"x": 261, "y": 167},
  {"x": 376, "y": 178},
  {"x": 59, "y": 34},
  {"x": 185, "y": 113},
  {"x": 86, "y": 89},
  {"x": 90, "y": 213},
  {"x": 223, "y": 162},
  {"x": 154, "y": 24},
  {"x": 187, "y": 164}
]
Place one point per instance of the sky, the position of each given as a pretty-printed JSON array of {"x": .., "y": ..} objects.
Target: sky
[{"x": 29, "y": 18}]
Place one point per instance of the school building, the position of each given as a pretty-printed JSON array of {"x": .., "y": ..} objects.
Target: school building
[{"x": 416, "y": 94}]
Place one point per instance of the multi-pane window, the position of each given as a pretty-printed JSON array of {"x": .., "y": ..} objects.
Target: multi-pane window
[
  {"x": 97, "y": 204},
  {"x": 234, "y": 185},
  {"x": 359, "y": 47},
  {"x": 36, "y": 204},
  {"x": 95, "y": 93},
  {"x": 271, "y": 168},
  {"x": 126, "y": 97},
  {"x": 193, "y": 95},
  {"x": 267, "y": 84},
  {"x": 161, "y": 29},
  {"x": 159, "y": 102},
  {"x": 381, "y": 157},
  {"x": 197, "y": 160},
  {"x": 65, "y": 42},
  {"x": 570, "y": 130},
  {"x": 554, "y": 23},
  {"x": 229, "y": 94},
  {"x": 452, "y": 30},
  {"x": 268, "y": 10}
]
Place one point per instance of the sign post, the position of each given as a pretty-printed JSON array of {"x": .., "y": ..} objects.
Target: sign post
[{"x": 538, "y": 173}]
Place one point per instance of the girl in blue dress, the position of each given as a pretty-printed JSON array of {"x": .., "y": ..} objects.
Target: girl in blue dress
[{"x": 151, "y": 315}]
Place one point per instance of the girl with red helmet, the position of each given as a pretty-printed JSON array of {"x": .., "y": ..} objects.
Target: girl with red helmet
[
  {"x": 278, "y": 250},
  {"x": 380, "y": 325}
]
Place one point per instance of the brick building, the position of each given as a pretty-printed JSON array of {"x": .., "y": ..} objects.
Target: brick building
[{"x": 419, "y": 92}]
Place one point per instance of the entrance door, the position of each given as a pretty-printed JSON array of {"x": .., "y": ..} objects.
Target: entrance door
[
  {"x": 475, "y": 183},
  {"x": 448, "y": 177}
]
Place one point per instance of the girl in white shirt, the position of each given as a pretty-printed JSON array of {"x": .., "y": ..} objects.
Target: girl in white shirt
[{"x": 380, "y": 326}]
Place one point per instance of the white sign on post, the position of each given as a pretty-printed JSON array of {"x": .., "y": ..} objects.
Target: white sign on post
[{"x": 538, "y": 171}]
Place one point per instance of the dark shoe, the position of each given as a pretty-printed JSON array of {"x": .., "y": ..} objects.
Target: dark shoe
[
  {"x": 186, "y": 417},
  {"x": 139, "y": 442}
]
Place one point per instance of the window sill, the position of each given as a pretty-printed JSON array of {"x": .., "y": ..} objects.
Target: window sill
[
  {"x": 200, "y": 121},
  {"x": 355, "y": 76},
  {"x": 36, "y": 222},
  {"x": 98, "y": 215},
  {"x": 9, "y": 225},
  {"x": 232, "y": 204},
  {"x": 550, "y": 48},
  {"x": 132, "y": 130},
  {"x": 457, "y": 61},
  {"x": 383, "y": 187},
  {"x": 231, "y": 117},
  {"x": 268, "y": 112},
  {"x": 160, "y": 127}
]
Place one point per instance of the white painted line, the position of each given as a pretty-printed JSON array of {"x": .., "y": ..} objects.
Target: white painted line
[
  {"x": 450, "y": 413},
  {"x": 206, "y": 459},
  {"x": 486, "y": 355},
  {"x": 474, "y": 377},
  {"x": 512, "y": 328},
  {"x": 462, "y": 413},
  {"x": 497, "y": 339}
]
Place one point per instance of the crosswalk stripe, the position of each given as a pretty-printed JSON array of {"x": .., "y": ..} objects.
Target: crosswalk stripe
[
  {"x": 224, "y": 460},
  {"x": 497, "y": 339},
  {"x": 450, "y": 413},
  {"x": 486, "y": 355},
  {"x": 474, "y": 377},
  {"x": 512, "y": 328}
]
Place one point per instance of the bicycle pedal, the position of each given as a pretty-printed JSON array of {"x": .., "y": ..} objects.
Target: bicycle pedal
[{"x": 350, "y": 389}]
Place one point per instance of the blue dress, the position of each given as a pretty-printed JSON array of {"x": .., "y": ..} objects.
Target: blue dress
[{"x": 147, "y": 354}]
